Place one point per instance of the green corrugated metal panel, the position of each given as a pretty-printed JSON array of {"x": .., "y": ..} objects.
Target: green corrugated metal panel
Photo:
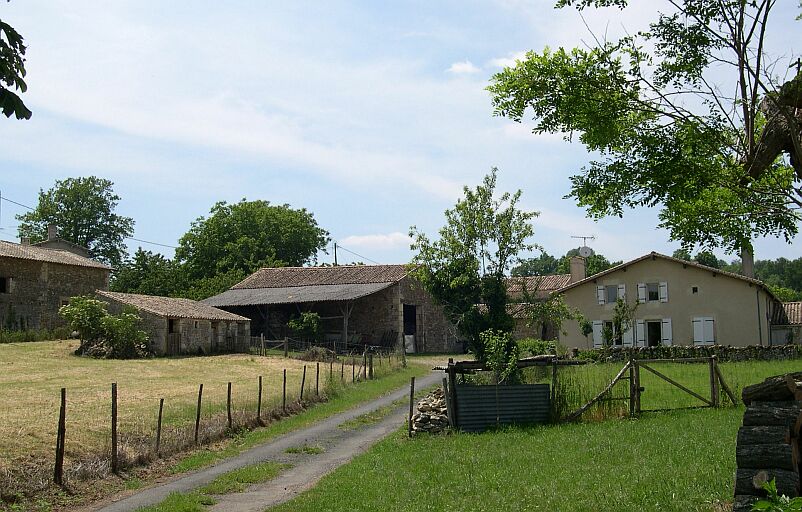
[{"x": 483, "y": 407}]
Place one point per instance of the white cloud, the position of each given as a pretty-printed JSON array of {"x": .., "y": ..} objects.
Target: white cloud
[
  {"x": 508, "y": 61},
  {"x": 378, "y": 242},
  {"x": 465, "y": 67}
]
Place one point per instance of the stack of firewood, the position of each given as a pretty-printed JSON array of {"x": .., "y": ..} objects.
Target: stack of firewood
[{"x": 768, "y": 441}]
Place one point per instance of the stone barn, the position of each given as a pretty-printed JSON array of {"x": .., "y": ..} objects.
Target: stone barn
[
  {"x": 183, "y": 326},
  {"x": 379, "y": 305},
  {"x": 35, "y": 281}
]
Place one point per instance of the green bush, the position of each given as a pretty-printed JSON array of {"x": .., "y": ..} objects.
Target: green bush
[
  {"x": 501, "y": 355},
  {"x": 534, "y": 347},
  {"x": 306, "y": 326},
  {"x": 104, "y": 335}
]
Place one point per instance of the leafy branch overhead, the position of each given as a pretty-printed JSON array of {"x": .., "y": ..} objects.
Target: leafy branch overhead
[
  {"x": 704, "y": 122},
  {"x": 12, "y": 72}
]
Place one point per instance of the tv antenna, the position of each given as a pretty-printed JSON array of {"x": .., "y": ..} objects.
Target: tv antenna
[
  {"x": 585, "y": 251},
  {"x": 585, "y": 238}
]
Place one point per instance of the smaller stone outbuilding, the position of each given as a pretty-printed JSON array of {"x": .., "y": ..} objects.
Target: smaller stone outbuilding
[{"x": 183, "y": 326}]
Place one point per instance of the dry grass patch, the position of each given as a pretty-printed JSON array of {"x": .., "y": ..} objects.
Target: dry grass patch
[{"x": 31, "y": 375}]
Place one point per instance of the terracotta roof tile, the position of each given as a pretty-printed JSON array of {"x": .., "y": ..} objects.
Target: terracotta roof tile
[
  {"x": 172, "y": 307},
  {"x": 30, "y": 252},
  {"x": 540, "y": 286},
  {"x": 789, "y": 314},
  {"x": 287, "y": 277}
]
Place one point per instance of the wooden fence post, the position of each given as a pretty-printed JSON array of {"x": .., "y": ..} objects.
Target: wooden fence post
[
  {"x": 553, "y": 397},
  {"x": 365, "y": 364},
  {"x": 370, "y": 365},
  {"x": 303, "y": 383},
  {"x": 58, "y": 469},
  {"x": 331, "y": 371},
  {"x": 353, "y": 370},
  {"x": 262, "y": 339},
  {"x": 284, "y": 393},
  {"x": 159, "y": 426},
  {"x": 411, "y": 403},
  {"x": 114, "y": 467},
  {"x": 632, "y": 391},
  {"x": 452, "y": 388},
  {"x": 259, "y": 402},
  {"x": 317, "y": 379},
  {"x": 637, "y": 387},
  {"x": 714, "y": 394},
  {"x": 342, "y": 371},
  {"x": 228, "y": 406},
  {"x": 197, "y": 414},
  {"x": 286, "y": 347}
]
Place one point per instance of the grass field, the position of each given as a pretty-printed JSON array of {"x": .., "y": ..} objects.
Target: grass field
[
  {"x": 680, "y": 460},
  {"x": 31, "y": 375}
]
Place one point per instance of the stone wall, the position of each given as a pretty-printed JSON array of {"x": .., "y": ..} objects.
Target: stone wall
[
  {"x": 36, "y": 290},
  {"x": 435, "y": 332}
]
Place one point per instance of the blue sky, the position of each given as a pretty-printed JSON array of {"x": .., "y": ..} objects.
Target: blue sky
[{"x": 372, "y": 115}]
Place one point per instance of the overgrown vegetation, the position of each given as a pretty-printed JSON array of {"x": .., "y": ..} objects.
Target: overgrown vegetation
[
  {"x": 15, "y": 336},
  {"x": 102, "y": 334},
  {"x": 306, "y": 326}
]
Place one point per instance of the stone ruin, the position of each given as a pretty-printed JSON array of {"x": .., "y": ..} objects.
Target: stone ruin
[{"x": 432, "y": 414}]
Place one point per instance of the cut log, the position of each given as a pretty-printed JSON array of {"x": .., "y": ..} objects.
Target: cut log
[
  {"x": 781, "y": 416},
  {"x": 743, "y": 503},
  {"x": 760, "y": 456},
  {"x": 750, "y": 481},
  {"x": 772, "y": 434},
  {"x": 781, "y": 387}
]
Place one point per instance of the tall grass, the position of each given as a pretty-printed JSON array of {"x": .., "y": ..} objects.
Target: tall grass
[{"x": 11, "y": 336}]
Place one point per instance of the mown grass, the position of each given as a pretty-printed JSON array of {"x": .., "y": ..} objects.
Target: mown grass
[
  {"x": 681, "y": 460},
  {"x": 239, "y": 479}
]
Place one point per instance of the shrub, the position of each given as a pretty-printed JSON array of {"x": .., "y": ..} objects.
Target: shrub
[
  {"x": 318, "y": 354},
  {"x": 501, "y": 354},
  {"x": 536, "y": 347},
  {"x": 104, "y": 335},
  {"x": 306, "y": 326}
]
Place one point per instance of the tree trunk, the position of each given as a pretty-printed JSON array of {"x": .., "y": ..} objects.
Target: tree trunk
[
  {"x": 750, "y": 481},
  {"x": 764, "y": 435},
  {"x": 759, "y": 456},
  {"x": 779, "y": 388}
]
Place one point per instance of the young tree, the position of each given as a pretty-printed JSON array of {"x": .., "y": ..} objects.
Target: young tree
[
  {"x": 691, "y": 113},
  {"x": 83, "y": 211},
  {"x": 249, "y": 235},
  {"x": 12, "y": 72},
  {"x": 466, "y": 266}
]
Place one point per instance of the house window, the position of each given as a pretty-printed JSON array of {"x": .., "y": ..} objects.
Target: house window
[
  {"x": 652, "y": 292},
  {"x": 704, "y": 331},
  {"x": 5, "y": 284},
  {"x": 653, "y": 332},
  {"x": 611, "y": 293},
  {"x": 695, "y": 289}
]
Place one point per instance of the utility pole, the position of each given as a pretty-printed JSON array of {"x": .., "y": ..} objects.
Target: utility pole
[{"x": 335, "y": 254}]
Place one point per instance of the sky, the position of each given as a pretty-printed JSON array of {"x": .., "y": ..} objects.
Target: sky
[{"x": 371, "y": 115}]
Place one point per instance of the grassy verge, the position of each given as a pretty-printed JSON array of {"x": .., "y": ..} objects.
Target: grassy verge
[
  {"x": 682, "y": 460},
  {"x": 234, "y": 481}
]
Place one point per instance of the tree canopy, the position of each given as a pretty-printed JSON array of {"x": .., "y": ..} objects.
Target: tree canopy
[
  {"x": 248, "y": 235},
  {"x": 466, "y": 265},
  {"x": 547, "y": 264},
  {"x": 691, "y": 114},
  {"x": 12, "y": 72},
  {"x": 83, "y": 211}
]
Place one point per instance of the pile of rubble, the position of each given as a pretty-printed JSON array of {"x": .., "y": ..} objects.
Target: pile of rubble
[{"x": 431, "y": 415}]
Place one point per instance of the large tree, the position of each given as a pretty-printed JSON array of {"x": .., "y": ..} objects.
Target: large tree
[
  {"x": 12, "y": 72},
  {"x": 691, "y": 113},
  {"x": 464, "y": 268},
  {"x": 248, "y": 235},
  {"x": 148, "y": 273},
  {"x": 83, "y": 211}
]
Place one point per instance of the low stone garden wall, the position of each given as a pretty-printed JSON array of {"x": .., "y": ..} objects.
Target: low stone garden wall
[{"x": 724, "y": 353}]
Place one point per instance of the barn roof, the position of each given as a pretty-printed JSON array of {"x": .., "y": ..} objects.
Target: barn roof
[
  {"x": 790, "y": 313},
  {"x": 539, "y": 286},
  {"x": 171, "y": 307},
  {"x": 291, "y": 285},
  {"x": 34, "y": 253}
]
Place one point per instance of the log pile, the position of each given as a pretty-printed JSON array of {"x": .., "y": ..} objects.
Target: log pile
[{"x": 768, "y": 441}]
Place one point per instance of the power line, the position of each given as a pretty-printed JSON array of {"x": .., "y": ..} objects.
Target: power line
[
  {"x": 16, "y": 203},
  {"x": 357, "y": 254}
]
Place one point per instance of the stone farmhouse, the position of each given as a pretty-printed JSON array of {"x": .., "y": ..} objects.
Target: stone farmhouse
[
  {"x": 183, "y": 326},
  {"x": 36, "y": 280},
  {"x": 358, "y": 304},
  {"x": 678, "y": 303}
]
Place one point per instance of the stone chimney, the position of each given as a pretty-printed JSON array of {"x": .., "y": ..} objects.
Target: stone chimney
[
  {"x": 578, "y": 269},
  {"x": 748, "y": 262},
  {"x": 25, "y": 240},
  {"x": 52, "y": 232}
]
